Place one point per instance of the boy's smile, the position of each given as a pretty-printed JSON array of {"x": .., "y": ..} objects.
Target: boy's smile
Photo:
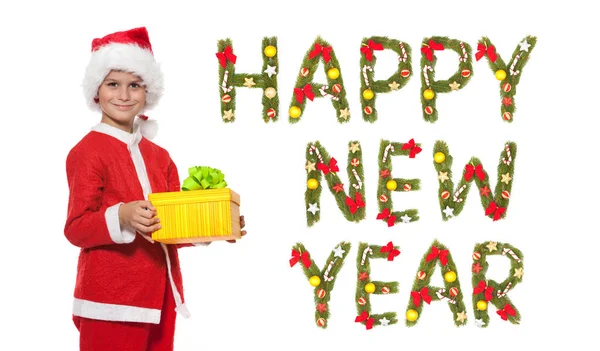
[
  {"x": 124, "y": 107},
  {"x": 121, "y": 96}
]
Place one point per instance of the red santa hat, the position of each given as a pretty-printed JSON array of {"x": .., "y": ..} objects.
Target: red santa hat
[{"x": 128, "y": 51}]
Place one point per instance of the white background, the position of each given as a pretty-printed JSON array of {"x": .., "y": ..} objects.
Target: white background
[{"x": 245, "y": 294}]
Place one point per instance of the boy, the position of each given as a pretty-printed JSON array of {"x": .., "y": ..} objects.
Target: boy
[{"x": 128, "y": 288}]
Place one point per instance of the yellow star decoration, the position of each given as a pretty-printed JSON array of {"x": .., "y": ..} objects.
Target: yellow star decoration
[
  {"x": 492, "y": 246},
  {"x": 461, "y": 317},
  {"x": 518, "y": 273},
  {"x": 394, "y": 86},
  {"x": 310, "y": 166},
  {"x": 228, "y": 115},
  {"x": 506, "y": 178},
  {"x": 354, "y": 147},
  {"x": 443, "y": 176},
  {"x": 344, "y": 113},
  {"x": 249, "y": 82},
  {"x": 454, "y": 85}
]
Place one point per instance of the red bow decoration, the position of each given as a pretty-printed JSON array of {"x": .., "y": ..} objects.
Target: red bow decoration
[
  {"x": 227, "y": 54},
  {"x": 497, "y": 211},
  {"x": 418, "y": 295},
  {"x": 414, "y": 149},
  {"x": 332, "y": 166},
  {"x": 391, "y": 251},
  {"x": 391, "y": 219},
  {"x": 307, "y": 90},
  {"x": 427, "y": 49},
  {"x": 368, "y": 48},
  {"x": 484, "y": 49},
  {"x": 323, "y": 50},
  {"x": 506, "y": 311},
  {"x": 483, "y": 288},
  {"x": 478, "y": 170},
  {"x": 364, "y": 316},
  {"x": 297, "y": 256},
  {"x": 435, "y": 252},
  {"x": 355, "y": 205}
]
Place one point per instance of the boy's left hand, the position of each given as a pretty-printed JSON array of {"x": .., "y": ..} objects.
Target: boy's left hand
[{"x": 242, "y": 225}]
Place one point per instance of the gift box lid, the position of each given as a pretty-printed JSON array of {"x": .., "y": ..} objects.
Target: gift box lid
[{"x": 194, "y": 196}]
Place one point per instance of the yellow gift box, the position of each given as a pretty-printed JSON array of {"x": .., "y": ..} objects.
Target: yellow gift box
[{"x": 197, "y": 216}]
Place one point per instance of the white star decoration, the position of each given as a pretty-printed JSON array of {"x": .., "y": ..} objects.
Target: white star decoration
[
  {"x": 270, "y": 70},
  {"x": 479, "y": 323},
  {"x": 312, "y": 208},
  {"x": 338, "y": 252},
  {"x": 405, "y": 219},
  {"x": 449, "y": 212},
  {"x": 384, "y": 321},
  {"x": 524, "y": 45}
]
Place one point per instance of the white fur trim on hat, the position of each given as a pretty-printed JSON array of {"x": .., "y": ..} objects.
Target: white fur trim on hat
[{"x": 123, "y": 57}]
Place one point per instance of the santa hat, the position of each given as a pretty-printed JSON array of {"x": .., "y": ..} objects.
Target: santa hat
[{"x": 128, "y": 51}]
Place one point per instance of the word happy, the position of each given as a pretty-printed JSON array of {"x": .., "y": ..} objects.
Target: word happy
[{"x": 507, "y": 73}]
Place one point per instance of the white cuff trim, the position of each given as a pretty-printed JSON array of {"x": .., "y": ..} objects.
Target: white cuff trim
[
  {"x": 118, "y": 235},
  {"x": 111, "y": 312}
]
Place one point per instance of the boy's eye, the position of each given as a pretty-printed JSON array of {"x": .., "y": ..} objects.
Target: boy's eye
[
  {"x": 112, "y": 84},
  {"x": 134, "y": 85}
]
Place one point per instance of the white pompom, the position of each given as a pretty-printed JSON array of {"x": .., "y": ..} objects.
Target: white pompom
[{"x": 148, "y": 128}]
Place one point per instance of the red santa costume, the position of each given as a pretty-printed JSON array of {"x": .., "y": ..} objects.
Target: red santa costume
[{"x": 127, "y": 289}]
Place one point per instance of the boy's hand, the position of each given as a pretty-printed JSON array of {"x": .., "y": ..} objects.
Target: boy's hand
[
  {"x": 141, "y": 217},
  {"x": 242, "y": 225}
]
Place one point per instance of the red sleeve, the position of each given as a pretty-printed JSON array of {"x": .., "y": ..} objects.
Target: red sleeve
[{"x": 89, "y": 222}]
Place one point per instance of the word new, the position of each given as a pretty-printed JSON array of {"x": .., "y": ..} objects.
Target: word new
[{"x": 350, "y": 199}]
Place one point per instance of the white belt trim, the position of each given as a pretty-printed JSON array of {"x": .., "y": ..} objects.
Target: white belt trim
[{"x": 112, "y": 312}]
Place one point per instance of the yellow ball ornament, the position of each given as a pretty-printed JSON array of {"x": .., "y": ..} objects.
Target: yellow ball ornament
[
  {"x": 439, "y": 157},
  {"x": 312, "y": 183},
  {"x": 412, "y": 315},
  {"x": 333, "y": 73},
  {"x": 450, "y": 277},
  {"x": 391, "y": 185},
  {"x": 368, "y": 94},
  {"x": 481, "y": 305},
  {"x": 270, "y": 51},
  {"x": 370, "y": 288},
  {"x": 295, "y": 112},
  {"x": 500, "y": 74},
  {"x": 314, "y": 280},
  {"x": 428, "y": 94}
]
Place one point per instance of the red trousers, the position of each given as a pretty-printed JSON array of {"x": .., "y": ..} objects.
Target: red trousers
[{"x": 97, "y": 335}]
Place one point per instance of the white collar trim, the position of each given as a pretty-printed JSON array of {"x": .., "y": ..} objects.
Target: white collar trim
[{"x": 130, "y": 139}]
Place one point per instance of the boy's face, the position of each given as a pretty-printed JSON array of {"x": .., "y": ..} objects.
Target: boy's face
[{"x": 121, "y": 97}]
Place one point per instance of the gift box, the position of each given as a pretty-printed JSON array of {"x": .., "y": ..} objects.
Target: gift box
[{"x": 200, "y": 214}]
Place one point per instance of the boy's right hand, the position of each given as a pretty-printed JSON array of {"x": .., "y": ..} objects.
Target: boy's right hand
[{"x": 141, "y": 217}]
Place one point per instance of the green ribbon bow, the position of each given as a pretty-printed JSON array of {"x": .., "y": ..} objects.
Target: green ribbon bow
[{"x": 201, "y": 178}]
